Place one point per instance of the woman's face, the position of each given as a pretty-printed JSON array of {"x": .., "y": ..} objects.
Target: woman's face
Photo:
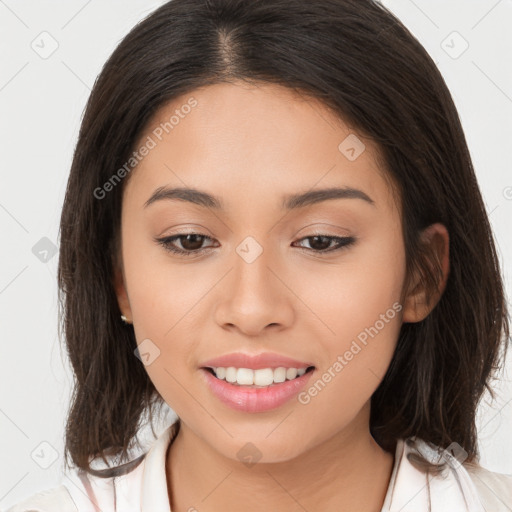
[{"x": 268, "y": 279}]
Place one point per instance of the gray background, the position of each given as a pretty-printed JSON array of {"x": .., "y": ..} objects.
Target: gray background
[{"x": 42, "y": 98}]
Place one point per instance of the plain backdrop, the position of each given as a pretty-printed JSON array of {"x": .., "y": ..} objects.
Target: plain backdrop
[{"x": 51, "y": 53}]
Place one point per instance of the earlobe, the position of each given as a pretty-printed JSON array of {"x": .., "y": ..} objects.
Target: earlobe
[
  {"x": 120, "y": 291},
  {"x": 416, "y": 305}
]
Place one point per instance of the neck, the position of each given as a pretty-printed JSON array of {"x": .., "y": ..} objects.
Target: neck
[{"x": 348, "y": 471}]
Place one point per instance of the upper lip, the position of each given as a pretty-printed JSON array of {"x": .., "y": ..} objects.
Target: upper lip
[{"x": 254, "y": 362}]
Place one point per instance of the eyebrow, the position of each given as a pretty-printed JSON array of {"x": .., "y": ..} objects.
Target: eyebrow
[{"x": 289, "y": 202}]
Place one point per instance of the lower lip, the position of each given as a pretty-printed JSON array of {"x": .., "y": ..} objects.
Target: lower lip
[{"x": 248, "y": 399}]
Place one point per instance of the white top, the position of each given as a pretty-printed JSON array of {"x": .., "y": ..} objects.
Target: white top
[{"x": 466, "y": 487}]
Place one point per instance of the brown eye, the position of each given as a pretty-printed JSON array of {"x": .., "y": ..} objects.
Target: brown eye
[
  {"x": 323, "y": 243},
  {"x": 191, "y": 243}
]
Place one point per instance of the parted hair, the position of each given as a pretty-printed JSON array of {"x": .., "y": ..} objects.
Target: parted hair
[{"x": 361, "y": 62}]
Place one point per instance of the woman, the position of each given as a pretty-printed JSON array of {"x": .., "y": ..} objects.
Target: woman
[{"x": 272, "y": 225}]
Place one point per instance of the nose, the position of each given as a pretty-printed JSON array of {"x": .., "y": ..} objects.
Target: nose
[{"x": 255, "y": 297}]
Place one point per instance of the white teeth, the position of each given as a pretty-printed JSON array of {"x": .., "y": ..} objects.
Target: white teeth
[
  {"x": 280, "y": 374},
  {"x": 261, "y": 377},
  {"x": 245, "y": 377},
  {"x": 221, "y": 373},
  {"x": 291, "y": 373},
  {"x": 231, "y": 374}
]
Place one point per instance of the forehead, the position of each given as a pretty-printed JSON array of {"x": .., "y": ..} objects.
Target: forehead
[{"x": 254, "y": 141}]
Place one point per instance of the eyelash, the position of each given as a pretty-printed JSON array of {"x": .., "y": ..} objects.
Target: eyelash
[{"x": 166, "y": 242}]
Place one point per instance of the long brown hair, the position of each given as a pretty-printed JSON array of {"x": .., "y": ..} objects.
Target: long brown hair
[{"x": 359, "y": 60}]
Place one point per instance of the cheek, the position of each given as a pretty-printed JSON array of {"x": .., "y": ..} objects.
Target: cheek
[
  {"x": 355, "y": 359},
  {"x": 163, "y": 293},
  {"x": 352, "y": 293}
]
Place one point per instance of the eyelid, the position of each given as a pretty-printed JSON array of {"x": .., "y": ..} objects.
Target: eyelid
[{"x": 317, "y": 228}]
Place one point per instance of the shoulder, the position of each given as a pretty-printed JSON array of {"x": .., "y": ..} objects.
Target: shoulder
[
  {"x": 494, "y": 489},
  {"x": 56, "y": 499},
  {"x": 84, "y": 492},
  {"x": 427, "y": 474}
]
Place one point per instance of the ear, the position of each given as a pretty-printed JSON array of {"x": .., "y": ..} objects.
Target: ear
[
  {"x": 437, "y": 239},
  {"x": 119, "y": 284}
]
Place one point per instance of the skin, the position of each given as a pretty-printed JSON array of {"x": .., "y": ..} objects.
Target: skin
[{"x": 249, "y": 145}]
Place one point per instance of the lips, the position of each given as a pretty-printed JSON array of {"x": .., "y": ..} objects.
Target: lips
[
  {"x": 252, "y": 399},
  {"x": 255, "y": 362}
]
